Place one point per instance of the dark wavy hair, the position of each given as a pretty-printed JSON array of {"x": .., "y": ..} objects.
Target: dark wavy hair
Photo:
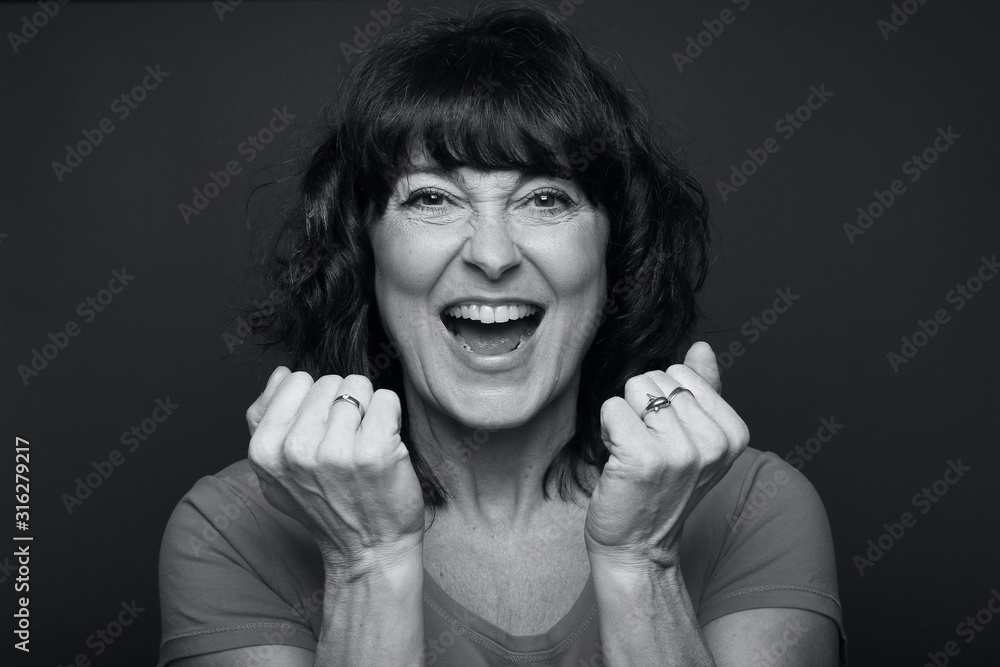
[{"x": 508, "y": 87}]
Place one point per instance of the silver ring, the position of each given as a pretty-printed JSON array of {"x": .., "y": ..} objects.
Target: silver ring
[
  {"x": 677, "y": 391},
  {"x": 657, "y": 402},
  {"x": 349, "y": 399}
]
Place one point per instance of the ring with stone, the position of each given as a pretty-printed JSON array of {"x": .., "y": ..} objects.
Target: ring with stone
[{"x": 350, "y": 399}]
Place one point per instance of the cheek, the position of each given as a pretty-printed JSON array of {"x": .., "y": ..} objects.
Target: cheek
[
  {"x": 575, "y": 261},
  {"x": 407, "y": 266},
  {"x": 402, "y": 263}
]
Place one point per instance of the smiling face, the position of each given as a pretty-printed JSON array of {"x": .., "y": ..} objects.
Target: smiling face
[{"x": 491, "y": 283}]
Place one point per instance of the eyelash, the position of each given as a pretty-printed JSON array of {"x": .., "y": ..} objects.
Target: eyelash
[{"x": 413, "y": 200}]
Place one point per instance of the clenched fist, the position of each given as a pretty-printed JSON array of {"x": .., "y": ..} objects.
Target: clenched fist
[
  {"x": 348, "y": 479},
  {"x": 661, "y": 463}
]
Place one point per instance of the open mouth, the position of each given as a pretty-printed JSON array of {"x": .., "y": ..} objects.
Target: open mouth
[{"x": 492, "y": 330}]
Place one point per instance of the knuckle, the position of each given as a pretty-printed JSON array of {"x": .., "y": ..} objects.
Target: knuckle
[
  {"x": 655, "y": 375},
  {"x": 610, "y": 407},
  {"x": 298, "y": 446},
  {"x": 360, "y": 380},
  {"x": 717, "y": 437},
  {"x": 387, "y": 396},
  {"x": 680, "y": 372},
  {"x": 258, "y": 454},
  {"x": 630, "y": 384},
  {"x": 299, "y": 378},
  {"x": 368, "y": 460},
  {"x": 326, "y": 380},
  {"x": 743, "y": 434},
  {"x": 684, "y": 456}
]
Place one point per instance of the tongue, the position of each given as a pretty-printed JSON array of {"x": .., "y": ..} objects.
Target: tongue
[{"x": 491, "y": 339}]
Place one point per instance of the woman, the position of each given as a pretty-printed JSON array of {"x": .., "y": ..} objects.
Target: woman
[{"x": 475, "y": 462}]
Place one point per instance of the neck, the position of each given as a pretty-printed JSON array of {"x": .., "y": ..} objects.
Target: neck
[{"x": 494, "y": 476}]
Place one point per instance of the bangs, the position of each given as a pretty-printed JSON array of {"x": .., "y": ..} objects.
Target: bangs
[{"x": 500, "y": 101}]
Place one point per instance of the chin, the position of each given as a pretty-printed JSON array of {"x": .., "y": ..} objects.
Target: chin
[{"x": 492, "y": 410}]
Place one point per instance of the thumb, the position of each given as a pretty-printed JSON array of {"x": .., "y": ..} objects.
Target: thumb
[{"x": 701, "y": 359}]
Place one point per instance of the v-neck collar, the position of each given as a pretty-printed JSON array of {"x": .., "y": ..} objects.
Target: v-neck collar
[{"x": 556, "y": 640}]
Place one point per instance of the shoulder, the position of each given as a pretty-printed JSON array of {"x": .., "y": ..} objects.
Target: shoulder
[
  {"x": 235, "y": 572},
  {"x": 227, "y": 512},
  {"x": 761, "y": 538},
  {"x": 764, "y": 510},
  {"x": 759, "y": 484},
  {"x": 762, "y": 483}
]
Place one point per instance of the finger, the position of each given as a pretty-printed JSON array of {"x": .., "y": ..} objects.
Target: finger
[
  {"x": 701, "y": 359},
  {"x": 345, "y": 417},
  {"x": 383, "y": 420},
  {"x": 620, "y": 424},
  {"x": 266, "y": 442},
  {"x": 310, "y": 426},
  {"x": 701, "y": 426},
  {"x": 638, "y": 393},
  {"x": 273, "y": 382},
  {"x": 256, "y": 410},
  {"x": 714, "y": 405}
]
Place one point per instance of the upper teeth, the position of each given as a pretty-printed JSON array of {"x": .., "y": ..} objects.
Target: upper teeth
[{"x": 491, "y": 314}]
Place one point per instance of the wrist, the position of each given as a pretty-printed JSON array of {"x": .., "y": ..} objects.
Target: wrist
[
  {"x": 637, "y": 562},
  {"x": 388, "y": 563}
]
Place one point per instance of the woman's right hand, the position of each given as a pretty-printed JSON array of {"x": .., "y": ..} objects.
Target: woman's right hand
[{"x": 348, "y": 480}]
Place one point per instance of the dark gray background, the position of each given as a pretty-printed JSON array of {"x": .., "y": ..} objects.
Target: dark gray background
[{"x": 825, "y": 357}]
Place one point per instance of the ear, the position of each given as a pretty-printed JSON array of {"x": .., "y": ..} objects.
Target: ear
[{"x": 701, "y": 359}]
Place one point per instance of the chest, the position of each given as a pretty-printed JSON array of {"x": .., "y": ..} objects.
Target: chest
[{"x": 523, "y": 583}]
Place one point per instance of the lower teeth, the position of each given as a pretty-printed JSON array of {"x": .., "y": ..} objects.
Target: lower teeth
[{"x": 520, "y": 342}]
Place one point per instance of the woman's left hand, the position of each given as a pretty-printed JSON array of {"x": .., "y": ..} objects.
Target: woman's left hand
[{"x": 661, "y": 464}]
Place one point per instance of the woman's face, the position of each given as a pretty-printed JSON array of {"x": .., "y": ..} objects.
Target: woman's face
[{"x": 457, "y": 254}]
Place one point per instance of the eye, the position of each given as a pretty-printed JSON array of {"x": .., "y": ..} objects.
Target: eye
[
  {"x": 548, "y": 201},
  {"x": 544, "y": 199},
  {"x": 427, "y": 198}
]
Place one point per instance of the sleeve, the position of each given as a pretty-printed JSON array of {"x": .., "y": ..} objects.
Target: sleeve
[
  {"x": 778, "y": 549},
  {"x": 217, "y": 581}
]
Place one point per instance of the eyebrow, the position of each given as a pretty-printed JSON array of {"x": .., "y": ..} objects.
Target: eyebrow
[{"x": 455, "y": 175}]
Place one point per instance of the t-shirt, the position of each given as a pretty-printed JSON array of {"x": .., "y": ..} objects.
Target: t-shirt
[{"x": 235, "y": 572}]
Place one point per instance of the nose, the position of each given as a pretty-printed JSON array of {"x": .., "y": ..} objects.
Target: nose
[{"x": 490, "y": 247}]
